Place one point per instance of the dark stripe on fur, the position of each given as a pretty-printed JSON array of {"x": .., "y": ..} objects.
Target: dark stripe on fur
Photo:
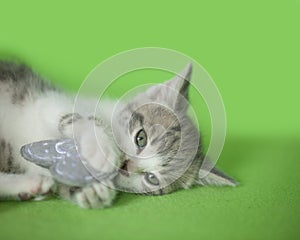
[
  {"x": 176, "y": 128},
  {"x": 22, "y": 82},
  {"x": 137, "y": 117},
  {"x": 7, "y": 163},
  {"x": 98, "y": 121},
  {"x": 68, "y": 119}
]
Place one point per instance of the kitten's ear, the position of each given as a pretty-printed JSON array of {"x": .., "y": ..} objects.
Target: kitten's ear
[
  {"x": 215, "y": 177},
  {"x": 175, "y": 91},
  {"x": 181, "y": 81}
]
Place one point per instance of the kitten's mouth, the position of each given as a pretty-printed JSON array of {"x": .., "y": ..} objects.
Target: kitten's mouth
[{"x": 123, "y": 169}]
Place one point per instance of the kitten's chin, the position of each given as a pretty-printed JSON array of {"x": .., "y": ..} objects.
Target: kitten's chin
[{"x": 123, "y": 182}]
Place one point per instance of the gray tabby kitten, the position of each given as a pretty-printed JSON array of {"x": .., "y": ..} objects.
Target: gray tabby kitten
[{"x": 150, "y": 140}]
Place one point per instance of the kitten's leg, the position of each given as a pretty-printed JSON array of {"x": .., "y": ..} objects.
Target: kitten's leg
[
  {"x": 96, "y": 195},
  {"x": 23, "y": 186},
  {"x": 105, "y": 159},
  {"x": 95, "y": 141},
  {"x": 20, "y": 179}
]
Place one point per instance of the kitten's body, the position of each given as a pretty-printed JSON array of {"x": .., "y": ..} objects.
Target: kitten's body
[{"x": 33, "y": 110}]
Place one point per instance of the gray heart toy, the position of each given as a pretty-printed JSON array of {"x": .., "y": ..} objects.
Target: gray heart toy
[{"x": 62, "y": 158}]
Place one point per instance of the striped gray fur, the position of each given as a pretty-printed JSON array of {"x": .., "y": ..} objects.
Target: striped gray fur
[
  {"x": 7, "y": 163},
  {"x": 67, "y": 120},
  {"x": 22, "y": 82}
]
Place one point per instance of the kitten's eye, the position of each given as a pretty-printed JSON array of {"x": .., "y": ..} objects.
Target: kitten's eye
[
  {"x": 141, "y": 138},
  {"x": 152, "y": 179}
]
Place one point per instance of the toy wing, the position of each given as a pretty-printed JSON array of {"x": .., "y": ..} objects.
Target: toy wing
[{"x": 62, "y": 158}]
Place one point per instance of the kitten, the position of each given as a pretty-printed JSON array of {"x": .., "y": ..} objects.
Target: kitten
[{"x": 150, "y": 139}]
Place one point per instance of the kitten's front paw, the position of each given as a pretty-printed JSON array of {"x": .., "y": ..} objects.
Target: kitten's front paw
[
  {"x": 100, "y": 152},
  {"x": 96, "y": 195},
  {"x": 96, "y": 145}
]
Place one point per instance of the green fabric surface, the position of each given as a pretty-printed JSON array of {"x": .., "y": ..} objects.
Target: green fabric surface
[
  {"x": 252, "y": 51},
  {"x": 264, "y": 206}
]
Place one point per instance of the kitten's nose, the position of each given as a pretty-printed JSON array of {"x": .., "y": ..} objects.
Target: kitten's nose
[
  {"x": 123, "y": 169},
  {"x": 128, "y": 167},
  {"x": 131, "y": 166}
]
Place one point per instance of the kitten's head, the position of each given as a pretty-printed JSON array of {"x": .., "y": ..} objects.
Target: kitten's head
[{"x": 160, "y": 144}]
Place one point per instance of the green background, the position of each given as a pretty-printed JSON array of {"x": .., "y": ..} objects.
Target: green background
[{"x": 250, "y": 48}]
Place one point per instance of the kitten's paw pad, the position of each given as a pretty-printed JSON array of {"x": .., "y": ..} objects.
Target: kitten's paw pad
[
  {"x": 43, "y": 187},
  {"x": 97, "y": 195},
  {"x": 34, "y": 186},
  {"x": 24, "y": 196}
]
